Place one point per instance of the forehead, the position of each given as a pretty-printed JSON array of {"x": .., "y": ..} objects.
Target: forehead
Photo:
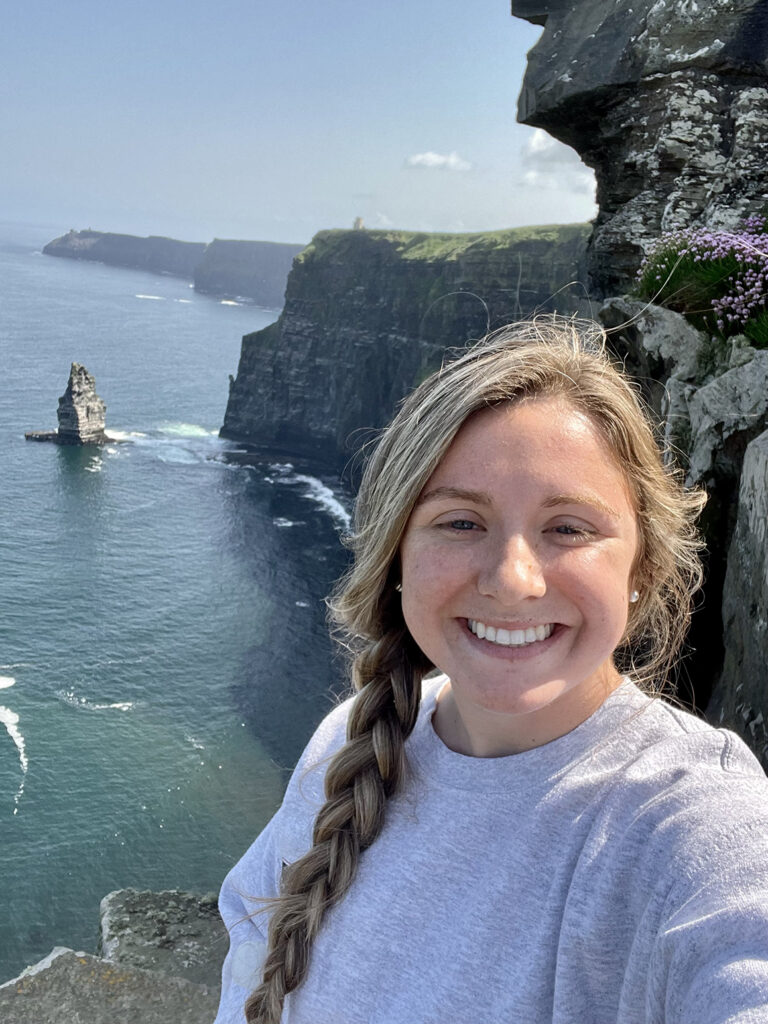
[{"x": 547, "y": 438}]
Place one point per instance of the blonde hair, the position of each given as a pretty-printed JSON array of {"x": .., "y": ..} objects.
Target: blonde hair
[{"x": 551, "y": 357}]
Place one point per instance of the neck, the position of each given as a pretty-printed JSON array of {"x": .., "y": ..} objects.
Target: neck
[{"x": 476, "y": 731}]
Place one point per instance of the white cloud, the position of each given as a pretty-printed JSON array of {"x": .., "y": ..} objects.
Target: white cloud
[
  {"x": 439, "y": 161},
  {"x": 552, "y": 166}
]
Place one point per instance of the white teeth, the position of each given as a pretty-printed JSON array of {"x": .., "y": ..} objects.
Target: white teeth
[{"x": 511, "y": 637}]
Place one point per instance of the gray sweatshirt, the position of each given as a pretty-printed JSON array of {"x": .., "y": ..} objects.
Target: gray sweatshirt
[{"x": 618, "y": 875}]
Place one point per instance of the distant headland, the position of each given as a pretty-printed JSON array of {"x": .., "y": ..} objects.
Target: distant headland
[{"x": 228, "y": 269}]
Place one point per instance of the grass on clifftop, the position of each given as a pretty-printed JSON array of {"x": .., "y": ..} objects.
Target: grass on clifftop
[{"x": 439, "y": 246}]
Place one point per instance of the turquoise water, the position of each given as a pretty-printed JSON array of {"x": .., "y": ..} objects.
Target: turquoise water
[{"x": 163, "y": 649}]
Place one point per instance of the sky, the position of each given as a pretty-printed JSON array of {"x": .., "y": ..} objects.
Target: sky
[{"x": 274, "y": 119}]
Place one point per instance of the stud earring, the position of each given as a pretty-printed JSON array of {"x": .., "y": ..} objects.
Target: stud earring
[
  {"x": 399, "y": 587},
  {"x": 634, "y": 597}
]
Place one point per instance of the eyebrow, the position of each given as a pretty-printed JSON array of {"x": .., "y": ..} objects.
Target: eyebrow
[
  {"x": 590, "y": 500},
  {"x": 478, "y": 497},
  {"x": 481, "y": 498}
]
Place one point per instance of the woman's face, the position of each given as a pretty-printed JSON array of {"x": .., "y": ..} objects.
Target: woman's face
[{"x": 516, "y": 569}]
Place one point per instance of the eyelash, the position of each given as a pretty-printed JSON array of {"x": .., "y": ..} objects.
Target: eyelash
[
  {"x": 452, "y": 524},
  {"x": 578, "y": 532}
]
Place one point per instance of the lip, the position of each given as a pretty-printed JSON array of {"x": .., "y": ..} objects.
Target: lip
[{"x": 514, "y": 653}]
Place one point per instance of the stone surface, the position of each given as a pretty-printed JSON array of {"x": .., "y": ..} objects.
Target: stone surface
[
  {"x": 725, "y": 415},
  {"x": 667, "y": 100},
  {"x": 369, "y": 313},
  {"x": 740, "y": 702},
  {"x": 228, "y": 269},
  {"x": 711, "y": 397},
  {"x": 81, "y": 412},
  {"x": 174, "y": 932},
  {"x": 254, "y": 270},
  {"x": 75, "y": 988},
  {"x": 155, "y": 254}
]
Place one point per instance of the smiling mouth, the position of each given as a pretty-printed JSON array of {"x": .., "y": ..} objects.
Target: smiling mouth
[{"x": 510, "y": 637}]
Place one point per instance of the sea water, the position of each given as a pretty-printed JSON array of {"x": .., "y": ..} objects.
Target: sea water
[{"x": 163, "y": 648}]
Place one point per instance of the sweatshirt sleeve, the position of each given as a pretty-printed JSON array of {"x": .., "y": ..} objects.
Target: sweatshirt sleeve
[
  {"x": 256, "y": 875},
  {"x": 710, "y": 965}
]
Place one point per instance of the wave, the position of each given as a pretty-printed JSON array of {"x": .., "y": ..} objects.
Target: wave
[
  {"x": 322, "y": 495},
  {"x": 11, "y": 722},
  {"x": 123, "y": 435},
  {"x": 187, "y": 302},
  {"x": 157, "y": 298},
  {"x": 181, "y": 429},
  {"x": 74, "y": 700},
  {"x": 6, "y": 681}
]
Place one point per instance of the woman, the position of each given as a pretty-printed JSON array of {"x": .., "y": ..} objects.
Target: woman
[{"x": 525, "y": 836}]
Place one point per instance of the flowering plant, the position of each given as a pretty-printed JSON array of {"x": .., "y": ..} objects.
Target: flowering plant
[{"x": 717, "y": 279}]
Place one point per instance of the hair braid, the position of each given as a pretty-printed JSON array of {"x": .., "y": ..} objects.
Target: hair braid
[{"x": 360, "y": 778}]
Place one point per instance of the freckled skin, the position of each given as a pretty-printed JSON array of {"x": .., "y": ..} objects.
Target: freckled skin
[{"x": 527, "y": 521}]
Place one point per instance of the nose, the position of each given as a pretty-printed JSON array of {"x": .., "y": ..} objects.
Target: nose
[{"x": 512, "y": 572}]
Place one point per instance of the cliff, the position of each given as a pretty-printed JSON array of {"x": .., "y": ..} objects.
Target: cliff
[
  {"x": 369, "y": 313},
  {"x": 155, "y": 254},
  {"x": 667, "y": 100},
  {"x": 228, "y": 269},
  {"x": 159, "y": 960},
  {"x": 256, "y": 270}
]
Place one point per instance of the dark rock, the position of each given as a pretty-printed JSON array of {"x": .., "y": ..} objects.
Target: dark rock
[
  {"x": 253, "y": 270},
  {"x": 177, "y": 933},
  {"x": 369, "y": 313},
  {"x": 81, "y": 413},
  {"x": 740, "y": 701},
  {"x": 155, "y": 254},
  {"x": 667, "y": 100},
  {"x": 75, "y": 988},
  {"x": 711, "y": 396},
  {"x": 228, "y": 269}
]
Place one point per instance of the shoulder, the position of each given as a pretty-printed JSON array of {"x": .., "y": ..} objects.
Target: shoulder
[
  {"x": 673, "y": 739},
  {"x": 685, "y": 794}
]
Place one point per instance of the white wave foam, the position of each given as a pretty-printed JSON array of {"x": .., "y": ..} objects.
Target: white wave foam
[
  {"x": 123, "y": 435},
  {"x": 11, "y": 722},
  {"x": 185, "y": 301},
  {"x": 279, "y": 521},
  {"x": 230, "y": 302},
  {"x": 180, "y": 429},
  {"x": 74, "y": 700},
  {"x": 301, "y": 604},
  {"x": 6, "y": 681},
  {"x": 324, "y": 497},
  {"x": 196, "y": 744},
  {"x": 157, "y": 298}
]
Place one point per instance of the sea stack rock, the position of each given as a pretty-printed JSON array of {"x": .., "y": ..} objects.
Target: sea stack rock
[{"x": 81, "y": 411}]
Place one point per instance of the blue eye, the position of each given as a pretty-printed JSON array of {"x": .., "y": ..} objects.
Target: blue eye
[
  {"x": 461, "y": 524},
  {"x": 567, "y": 530}
]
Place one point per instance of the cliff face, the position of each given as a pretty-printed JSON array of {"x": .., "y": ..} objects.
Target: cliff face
[
  {"x": 155, "y": 254},
  {"x": 256, "y": 270},
  {"x": 230, "y": 269},
  {"x": 369, "y": 313},
  {"x": 667, "y": 100}
]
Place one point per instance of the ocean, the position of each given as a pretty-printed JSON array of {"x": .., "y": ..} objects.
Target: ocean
[{"x": 164, "y": 654}]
